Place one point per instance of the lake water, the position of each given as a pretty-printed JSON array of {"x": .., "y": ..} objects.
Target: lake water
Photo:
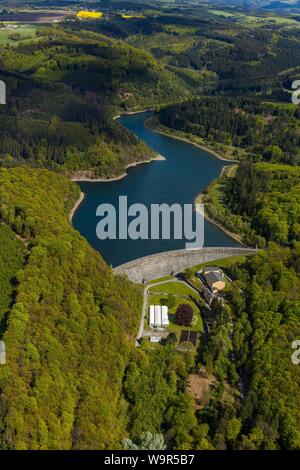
[{"x": 178, "y": 179}]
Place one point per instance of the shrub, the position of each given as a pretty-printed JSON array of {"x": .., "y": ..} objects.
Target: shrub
[{"x": 184, "y": 315}]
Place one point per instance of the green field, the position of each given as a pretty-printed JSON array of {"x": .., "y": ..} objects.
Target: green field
[
  {"x": 157, "y": 297},
  {"x": 252, "y": 20},
  {"x": 222, "y": 263},
  {"x": 23, "y": 30},
  {"x": 176, "y": 288},
  {"x": 160, "y": 279}
]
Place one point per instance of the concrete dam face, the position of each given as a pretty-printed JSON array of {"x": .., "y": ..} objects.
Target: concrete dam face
[{"x": 173, "y": 262}]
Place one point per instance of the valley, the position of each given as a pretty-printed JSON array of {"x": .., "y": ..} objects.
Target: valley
[{"x": 80, "y": 369}]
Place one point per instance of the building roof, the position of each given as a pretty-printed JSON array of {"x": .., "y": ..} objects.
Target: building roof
[
  {"x": 155, "y": 339},
  {"x": 209, "y": 269},
  {"x": 213, "y": 277},
  {"x": 158, "y": 315}
]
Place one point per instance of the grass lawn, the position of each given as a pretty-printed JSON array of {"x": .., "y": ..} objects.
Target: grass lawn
[
  {"x": 173, "y": 288},
  {"x": 159, "y": 299},
  {"x": 24, "y": 31},
  {"x": 222, "y": 263},
  {"x": 160, "y": 279}
]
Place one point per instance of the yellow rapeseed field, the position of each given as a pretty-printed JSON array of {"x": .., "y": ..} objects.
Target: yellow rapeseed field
[
  {"x": 131, "y": 16},
  {"x": 89, "y": 15}
]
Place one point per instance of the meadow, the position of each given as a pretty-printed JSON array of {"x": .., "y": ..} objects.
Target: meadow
[{"x": 26, "y": 32}]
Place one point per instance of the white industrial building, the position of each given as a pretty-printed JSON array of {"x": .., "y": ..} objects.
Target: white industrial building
[{"x": 158, "y": 315}]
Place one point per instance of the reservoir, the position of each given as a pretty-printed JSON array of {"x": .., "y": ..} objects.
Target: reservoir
[{"x": 184, "y": 173}]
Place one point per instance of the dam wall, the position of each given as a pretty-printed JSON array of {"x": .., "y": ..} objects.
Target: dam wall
[{"x": 173, "y": 262}]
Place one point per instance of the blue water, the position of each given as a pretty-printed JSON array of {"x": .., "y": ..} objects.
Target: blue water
[{"x": 178, "y": 179}]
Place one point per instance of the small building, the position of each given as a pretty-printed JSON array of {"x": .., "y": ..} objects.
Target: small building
[
  {"x": 158, "y": 316},
  {"x": 155, "y": 339},
  {"x": 214, "y": 278},
  {"x": 2, "y": 353},
  {"x": 215, "y": 282}
]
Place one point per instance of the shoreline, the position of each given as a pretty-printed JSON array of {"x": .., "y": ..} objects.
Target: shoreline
[
  {"x": 185, "y": 139},
  {"x": 159, "y": 157},
  {"x": 129, "y": 113},
  {"x": 234, "y": 236},
  {"x": 198, "y": 198},
  {"x": 76, "y": 205},
  {"x": 87, "y": 179}
]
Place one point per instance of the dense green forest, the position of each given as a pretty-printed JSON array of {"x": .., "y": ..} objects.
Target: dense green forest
[
  {"x": 158, "y": 403},
  {"x": 65, "y": 84},
  {"x": 63, "y": 89},
  {"x": 239, "y": 71},
  {"x": 261, "y": 203},
  {"x": 264, "y": 130},
  {"x": 249, "y": 351},
  {"x": 253, "y": 399},
  {"x": 74, "y": 378},
  {"x": 68, "y": 333},
  {"x": 12, "y": 258}
]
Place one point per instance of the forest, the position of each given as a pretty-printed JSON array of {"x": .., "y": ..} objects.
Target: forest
[
  {"x": 234, "y": 52},
  {"x": 66, "y": 83},
  {"x": 263, "y": 130},
  {"x": 63, "y": 89},
  {"x": 74, "y": 378},
  {"x": 260, "y": 203},
  {"x": 68, "y": 323},
  {"x": 250, "y": 350},
  {"x": 253, "y": 399}
]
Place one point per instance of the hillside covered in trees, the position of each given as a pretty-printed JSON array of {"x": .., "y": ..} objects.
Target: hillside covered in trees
[
  {"x": 255, "y": 401},
  {"x": 66, "y": 320},
  {"x": 247, "y": 385},
  {"x": 66, "y": 83},
  {"x": 63, "y": 89},
  {"x": 74, "y": 378},
  {"x": 261, "y": 202},
  {"x": 262, "y": 130}
]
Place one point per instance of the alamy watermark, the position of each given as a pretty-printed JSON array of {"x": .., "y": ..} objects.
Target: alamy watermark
[
  {"x": 295, "y": 357},
  {"x": 2, "y": 92},
  {"x": 296, "y": 354},
  {"x": 296, "y": 93},
  {"x": 162, "y": 221}
]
